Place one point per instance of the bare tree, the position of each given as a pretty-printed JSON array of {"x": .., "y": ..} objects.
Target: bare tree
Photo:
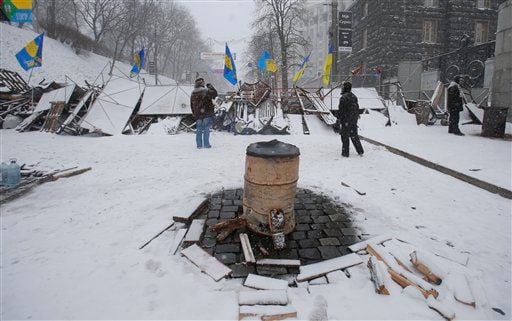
[
  {"x": 286, "y": 17},
  {"x": 100, "y": 16}
]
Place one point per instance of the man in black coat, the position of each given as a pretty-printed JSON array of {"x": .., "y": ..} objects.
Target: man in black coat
[
  {"x": 348, "y": 115},
  {"x": 455, "y": 106},
  {"x": 201, "y": 103}
]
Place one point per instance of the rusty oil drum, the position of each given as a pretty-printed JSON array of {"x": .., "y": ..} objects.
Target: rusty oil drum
[{"x": 270, "y": 181}]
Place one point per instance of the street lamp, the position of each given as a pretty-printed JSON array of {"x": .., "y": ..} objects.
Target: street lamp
[{"x": 334, "y": 38}]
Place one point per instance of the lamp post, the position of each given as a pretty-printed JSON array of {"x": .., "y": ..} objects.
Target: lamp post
[{"x": 334, "y": 38}]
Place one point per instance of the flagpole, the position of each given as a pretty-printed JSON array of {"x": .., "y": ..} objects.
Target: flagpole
[{"x": 30, "y": 76}]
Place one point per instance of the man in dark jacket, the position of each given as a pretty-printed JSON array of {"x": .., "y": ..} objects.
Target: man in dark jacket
[
  {"x": 203, "y": 110},
  {"x": 348, "y": 115},
  {"x": 455, "y": 106}
]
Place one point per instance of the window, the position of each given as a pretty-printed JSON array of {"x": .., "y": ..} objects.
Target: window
[
  {"x": 365, "y": 8},
  {"x": 483, "y": 4},
  {"x": 430, "y": 31},
  {"x": 365, "y": 38},
  {"x": 481, "y": 32},
  {"x": 431, "y": 3}
]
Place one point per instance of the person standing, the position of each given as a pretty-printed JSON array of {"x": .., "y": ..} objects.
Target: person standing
[
  {"x": 348, "y": 115},
  {"x": 455, "y": 106},
  {"x": 201, "y": 102}
]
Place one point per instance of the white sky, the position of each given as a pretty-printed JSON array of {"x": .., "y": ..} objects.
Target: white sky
[{"x": 224, "y": 21}]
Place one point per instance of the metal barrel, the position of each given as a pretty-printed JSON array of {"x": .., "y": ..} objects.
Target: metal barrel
[{"x": 270, "y": 182}]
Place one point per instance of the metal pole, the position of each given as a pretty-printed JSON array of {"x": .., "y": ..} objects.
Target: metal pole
[
  {"x": 334, "y": 24},
  {"x": 156, "y": 57}
]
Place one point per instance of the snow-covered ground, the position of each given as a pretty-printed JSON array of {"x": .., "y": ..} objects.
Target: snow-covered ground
[
  {"x": 59, "y": 60},
  {"x": 70, "y": 247}
]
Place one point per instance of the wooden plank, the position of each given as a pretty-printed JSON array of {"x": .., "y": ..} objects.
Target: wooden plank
[
  {"x": 278, "y": 262},
  {"x": 206, "y": 263},
  {"x": 443, "y": 310},
  {"x": 188, "y": 217},
  {"x": 195, "y": 231},
  {"x": 247, "y": 249},
  {"x": 263, "y": 297},
  {"x": 267, "y": 312},
  {"x": 71, "y": 173},
  {"x": 315, "y": 270},
  {"x": 403, "y": 282},
  {"x": 377, "y": 276},
  {"x": 265, "y": 283},
  {"x": 177, "y": 240},
  {"x": 422, "y": 266},
  {"x": 374, "y": 240}
]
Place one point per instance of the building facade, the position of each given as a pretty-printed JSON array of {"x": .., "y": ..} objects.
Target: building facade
[{"x": 387, "y": 32}]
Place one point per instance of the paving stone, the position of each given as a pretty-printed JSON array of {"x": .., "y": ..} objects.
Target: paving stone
[
  {"x": 298, "y": 235},
  {"x": 350, "y": 231},
  {"x": 311, "y": 206},
  {"x": 307, "y": 200},
  {"x": 227, "y": 202},
  {"x": 289, "y": 254},
  {"x": 209, "y": 251},
  {"x": 344, "y": 250},
  {"x": 241, "y": 270},
  {"x": 229, "y": 195},
  {"x": 213, "y": 214},
  {"x": 329, "y": 252},
  {"x": 237, "y": 202},
  {"x": 229, "y": 208},
  {"x": 227, "y": 248},
  {"x": 227, "y": 240},
  {"x": 271, "y": 270},
  {"x": 216, "y": 200},
  {"x": 332, "y": 232},
  {"x": 302, "y": 227},
  {"x": 311, "y": 254},
  {"x": 335, "y": 225},
  {"x": 211, "y": 221},
  {"x": 215, "y": 206},
  {"x": 337, "y": 217},
  {"x": 302, "y": 212},
  {"x": 298, "y": 206},
  {"x": 226, "y": 258},
  {"x": 210, "y": 233},
  {"x": 303, "y": 219},
  {"x": 308, "y": 243},
  {"x": 329, "y": 241},
  {"x": 208, "y": 242},
  {"x": 227, "y": 215},
  {"x": 291, "y": 244},
  {"x": 349, "y": 240},
  {"x": 315, "y": 234},
  {"x": 321, "y": 219},
  {"x": 318, "y": 226}
]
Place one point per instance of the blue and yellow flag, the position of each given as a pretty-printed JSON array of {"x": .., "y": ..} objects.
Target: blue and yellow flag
[
  {"x": 229, "y": 67},
  {"x": 266, "y": 63},
  {"x": 302, "y": 69},
  {"x": 327, "y": 66},
  {"x": 139, "y": 62},
  {"x": 17, "y": 10},
  {"x": 31, "y": 55}
]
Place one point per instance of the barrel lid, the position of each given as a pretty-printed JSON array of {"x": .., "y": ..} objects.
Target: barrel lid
[{"x": 271, "y": 149}]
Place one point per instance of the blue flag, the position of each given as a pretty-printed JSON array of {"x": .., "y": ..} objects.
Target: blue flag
[
  {"x": 302, "y": 69},
  {"x": 266, "y": 62},
  {"x": 229, "y": 67},
  {"x": 139, "y": 62},
  {"x": 31, "y": 55}
]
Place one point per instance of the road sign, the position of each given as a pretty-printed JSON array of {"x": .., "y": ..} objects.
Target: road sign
[
  {"x": 151, "y": 67},
  {"x": 345, "y": 20},
  {"x": 212, "y": 55},
  {"x": 345, "y": 40}
]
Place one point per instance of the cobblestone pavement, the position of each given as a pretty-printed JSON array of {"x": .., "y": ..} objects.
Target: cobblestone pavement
[{"x": 324, "y": 230}]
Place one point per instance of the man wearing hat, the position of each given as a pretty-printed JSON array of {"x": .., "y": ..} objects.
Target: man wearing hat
[
  {"x": 455, "y": 106},
  {"x": 203, "y": 110},
  {"x": 347, "y": 116}
]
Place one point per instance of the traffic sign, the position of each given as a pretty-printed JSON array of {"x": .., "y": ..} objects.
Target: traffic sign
[{"x": 212, "y": 55}]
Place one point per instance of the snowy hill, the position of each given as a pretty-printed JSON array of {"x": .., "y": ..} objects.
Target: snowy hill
[{"x": 59, "y": 60}]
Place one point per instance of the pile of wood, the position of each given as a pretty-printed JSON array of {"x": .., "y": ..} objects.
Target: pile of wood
[
  {"x": 419, "y": 271},
  {"x": 31, "y": 177}
]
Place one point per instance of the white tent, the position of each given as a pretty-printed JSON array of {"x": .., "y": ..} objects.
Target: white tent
[
  {"x": 61, "y": 94},
  {"x": 166, "y": 100},
  {"x": 114, "y": 106}
]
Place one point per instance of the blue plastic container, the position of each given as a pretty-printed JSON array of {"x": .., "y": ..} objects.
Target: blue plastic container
[{"x": 13, "y": 174}]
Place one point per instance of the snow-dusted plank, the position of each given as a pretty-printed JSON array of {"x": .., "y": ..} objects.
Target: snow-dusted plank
[
  {"x": 478, "y": 292},
  {"x": 263, "y": 297},
  {"x": 267, "y": 312},
  {"x": 336, "y": 277},
  {"x": 318, "y": 281},
  {"x": 247, "y": 249},
  {"x": 265, "y": 283},
  {"x": 207, "y": 263},
  {"x": 442, "y": 309},
  {"x": 193, "y": 207},
  {"x": 377, "y": 275},
  {"x": 315, "y": 270},
  {"x": 427, "y": 266},
  {"x": 278, "y": 262},
  {"x": 177, "y": 240},
  {"x": 195, "y": 231},
  {"x": 374, "y": 240}
]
